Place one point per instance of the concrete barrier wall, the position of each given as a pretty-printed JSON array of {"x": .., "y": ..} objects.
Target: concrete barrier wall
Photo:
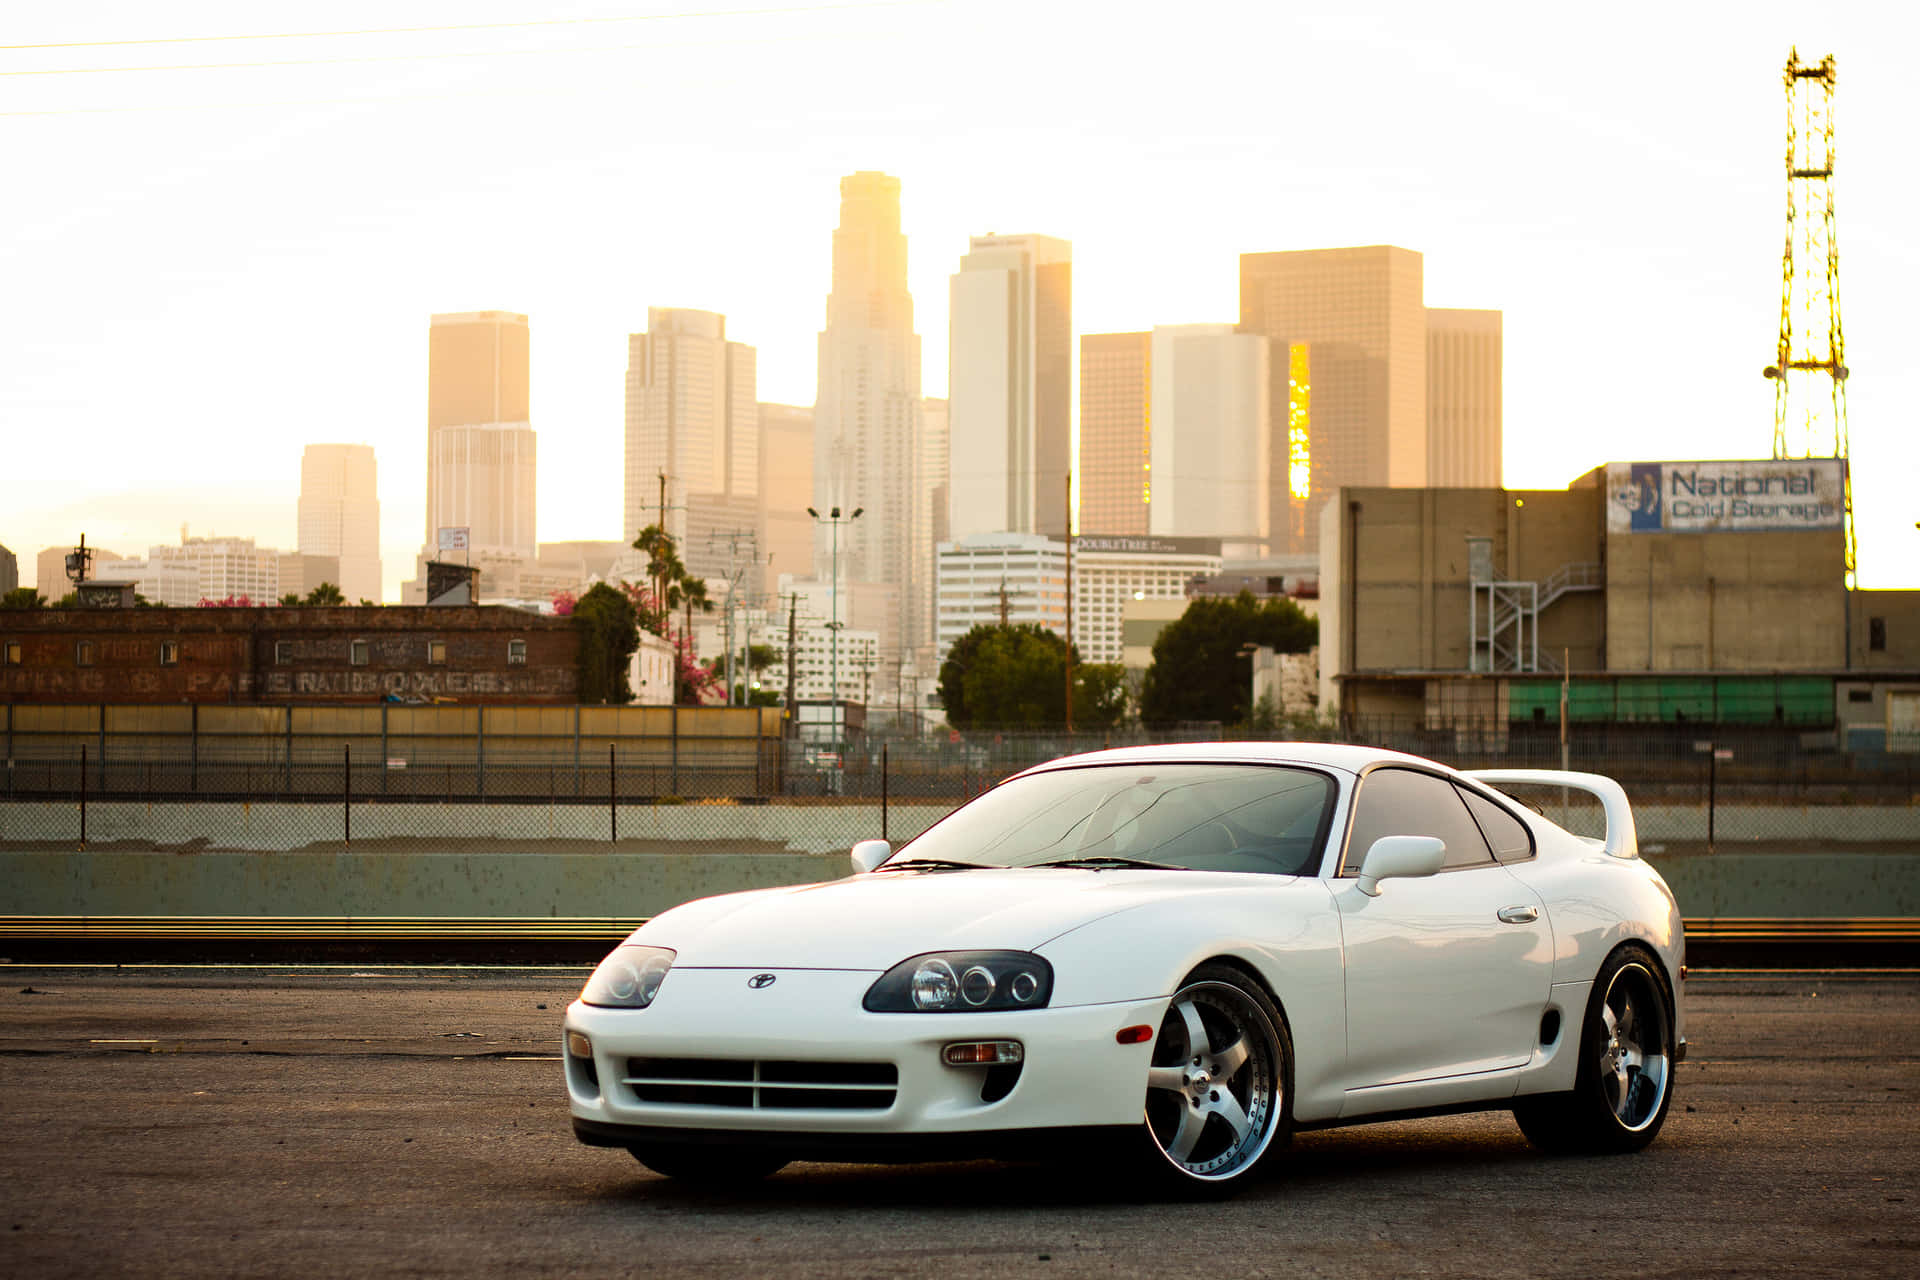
[
  {"x": 616, "y": 885},
  {"x": 282, "y": 828},
  {"x": 642, "y": 884},
  {"x": 799, "y": 828}
]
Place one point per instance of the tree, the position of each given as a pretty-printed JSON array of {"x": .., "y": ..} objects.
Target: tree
[
  {"x": 1198, "y": 671},
  {"x": 1016, "y": 676},
  {"x": 326, "y": 595},
  {"x": 23, "y": 598},
  {"x": 604, "y": 620},
  {"x": 291, "y": 600}
]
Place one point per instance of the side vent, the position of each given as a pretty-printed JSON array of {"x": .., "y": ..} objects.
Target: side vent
[{"x": 1549, "y": 1027}]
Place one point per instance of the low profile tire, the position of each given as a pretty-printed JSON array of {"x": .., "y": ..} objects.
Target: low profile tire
[
  {"x": 709, "y": 1166},
  {"x": 1625, "y": 1083},
  {"x": 1219, "y": 1090}
]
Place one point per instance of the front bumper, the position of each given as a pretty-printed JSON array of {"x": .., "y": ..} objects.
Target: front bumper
[{"x": 1073, "y": 1074}]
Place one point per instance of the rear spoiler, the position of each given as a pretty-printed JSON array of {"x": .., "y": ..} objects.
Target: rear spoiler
[{"x": 1621, "y": 841}]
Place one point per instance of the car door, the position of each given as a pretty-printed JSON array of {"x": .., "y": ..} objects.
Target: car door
[{"x": 1446, "y": 976}]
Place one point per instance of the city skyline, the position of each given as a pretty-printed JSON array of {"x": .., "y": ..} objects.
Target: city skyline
[{"x": 428, "y": 186}]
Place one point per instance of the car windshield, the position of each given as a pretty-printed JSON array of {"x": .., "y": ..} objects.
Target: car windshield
[{"x": 1201, "y": 817}]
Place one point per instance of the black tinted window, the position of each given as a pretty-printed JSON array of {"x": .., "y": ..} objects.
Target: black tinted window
[
  {"x": 1509, "y": 836},
  {"x": 1400, "y": 802}
]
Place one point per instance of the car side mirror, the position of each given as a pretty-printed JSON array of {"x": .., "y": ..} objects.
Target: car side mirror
[
  {"x": 1407, "y": 856},
  {"x": 869, "y": 854}
]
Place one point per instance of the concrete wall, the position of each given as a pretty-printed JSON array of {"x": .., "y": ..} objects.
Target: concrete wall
[
  {"x": 629, "y": 885},
  {"x": 1410, "y": 560},
  {"x": 1725, "y": 601},
  {"x": 562, "y": 885}
]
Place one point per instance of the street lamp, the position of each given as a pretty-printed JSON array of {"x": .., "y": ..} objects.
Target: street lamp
[{"x": 834, "y": 518}]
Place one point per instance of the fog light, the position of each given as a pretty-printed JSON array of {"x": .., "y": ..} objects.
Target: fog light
[
  {"x": 578, "y": 1045},
  {"x": 982, "y": 1053}
]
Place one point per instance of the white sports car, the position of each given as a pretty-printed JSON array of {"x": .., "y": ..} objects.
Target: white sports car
[{"x": 1186, "y": 951}]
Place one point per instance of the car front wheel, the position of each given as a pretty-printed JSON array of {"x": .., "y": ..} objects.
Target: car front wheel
[
  {"x": 1218, "y": 1089},
  {"x": 1625, "y": 1081}
]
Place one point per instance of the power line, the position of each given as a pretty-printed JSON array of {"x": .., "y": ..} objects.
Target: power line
[{"x": 466, "y": 26}]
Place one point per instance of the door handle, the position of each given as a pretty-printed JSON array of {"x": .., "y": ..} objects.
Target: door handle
[{"x": 1519, "y": 915}]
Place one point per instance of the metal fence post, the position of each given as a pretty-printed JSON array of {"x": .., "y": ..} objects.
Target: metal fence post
[
  {"x": 613, "y": 792},
  {"x": 83, "y": 795},
  {"x": 1713, "y": 774},
  {"x": 883, "y": 791},
  {"x": 346, "y": 794}
]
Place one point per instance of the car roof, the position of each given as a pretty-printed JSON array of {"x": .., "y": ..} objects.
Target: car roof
[{"x": 1327, "y": 755}]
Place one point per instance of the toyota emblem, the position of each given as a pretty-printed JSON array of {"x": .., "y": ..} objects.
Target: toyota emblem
[{"x": 759, "y": 981}]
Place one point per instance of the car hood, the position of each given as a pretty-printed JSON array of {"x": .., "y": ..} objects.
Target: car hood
[{"x": 876, "y": 921}]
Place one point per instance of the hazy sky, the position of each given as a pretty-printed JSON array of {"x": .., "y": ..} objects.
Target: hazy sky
[{"x": 205, "y": 269}]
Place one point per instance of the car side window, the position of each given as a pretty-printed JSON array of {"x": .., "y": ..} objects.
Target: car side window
[
  {"x": 1511, "y": 840},
  {"x": 1402, "y": 802}
]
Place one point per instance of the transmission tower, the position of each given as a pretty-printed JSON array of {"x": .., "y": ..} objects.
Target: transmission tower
[{"x": 1809, "y": 371}]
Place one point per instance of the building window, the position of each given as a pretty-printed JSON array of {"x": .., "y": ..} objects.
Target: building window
[
  {"x": 1877, "y": 634},
  {"x": 282, "y": 652},
  {"x": 169, "y": 653},
  {"x": 516, "y": 653},
  {"x": 83, "y": 653},
  {"x": 357, "y": 652},
  {"x": 436, "y": 653},
  {"x": 10, "y": 653}
]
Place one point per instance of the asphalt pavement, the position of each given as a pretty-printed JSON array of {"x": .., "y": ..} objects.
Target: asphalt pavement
[{"x": 385, "y": 1122}]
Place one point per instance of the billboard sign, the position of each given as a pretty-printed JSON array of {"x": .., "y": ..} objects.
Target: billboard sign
[
  {"x": 1787, "y": 494},
  {"x": 453, "y": 539}
]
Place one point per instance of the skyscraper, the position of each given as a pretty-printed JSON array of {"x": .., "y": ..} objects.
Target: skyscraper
[
  {"x": 693, "y": 417},
  {"x": 1464, "y": 398},
  {"x": 480, "y": 444},
  {"x": 1174, "y": 435},
  {"x": 340, "y": 514},
  {"x": 1010, "y": 385},
  {"x": 866, "y": 417},
  {"x": 1348, "y": 369},
  {"x": 1115, "y": 471},
  {"x": 931, "y": 517},
  {"x": 786, "y": 491}
]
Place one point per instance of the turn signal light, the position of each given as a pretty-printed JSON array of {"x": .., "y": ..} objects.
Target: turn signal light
[
  {"x": 578, "y": 1045},
  {"x": 1133, "y": 1035},
  {"x": 982, "y": 1053}
]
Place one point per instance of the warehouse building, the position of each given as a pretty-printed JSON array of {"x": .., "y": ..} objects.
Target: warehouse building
[{"x": 1665, "y": 592}]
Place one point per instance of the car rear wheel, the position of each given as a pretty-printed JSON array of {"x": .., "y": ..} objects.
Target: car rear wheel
[
  {"x": 713, "y": 1166},
  {"x": 1625, "y": 1081},
  {"x": 1220, "y": 1084}
]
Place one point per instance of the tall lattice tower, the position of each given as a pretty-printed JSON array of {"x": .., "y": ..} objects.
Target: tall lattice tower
[{"x": 1809, "y": 371}]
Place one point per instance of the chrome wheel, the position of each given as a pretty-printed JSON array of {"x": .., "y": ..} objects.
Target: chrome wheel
[
  {"x": 1216, "y": 1089},
  {"x": 1633, "y": 1068},
  {"x": 1623, "y": 1088}
]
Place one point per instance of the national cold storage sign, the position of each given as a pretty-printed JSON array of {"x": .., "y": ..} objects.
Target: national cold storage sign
[{"x": 1724, "y": 497}]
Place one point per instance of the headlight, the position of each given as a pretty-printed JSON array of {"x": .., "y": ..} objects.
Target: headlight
[
  {"x": 629, "y": 978},
  {"x": 962, "y": 982}
]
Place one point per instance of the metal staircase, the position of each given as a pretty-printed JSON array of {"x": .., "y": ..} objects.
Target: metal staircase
[{"x": 1503, "y": 615}]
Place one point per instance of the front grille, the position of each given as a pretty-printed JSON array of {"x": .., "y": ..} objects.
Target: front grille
[{"x": 761, "y": 1086}]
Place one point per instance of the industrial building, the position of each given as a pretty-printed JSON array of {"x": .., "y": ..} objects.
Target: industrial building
[{"x": 1682, "y": 593}]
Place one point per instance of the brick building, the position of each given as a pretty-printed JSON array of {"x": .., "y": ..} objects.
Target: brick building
[{"x": 276, "y": 655}]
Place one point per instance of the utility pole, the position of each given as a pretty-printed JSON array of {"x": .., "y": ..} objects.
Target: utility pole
[
  {"x": 793, "y": 710},
  {"x": 1069, "y": 661},
  {"x": 735, "y": 568}
]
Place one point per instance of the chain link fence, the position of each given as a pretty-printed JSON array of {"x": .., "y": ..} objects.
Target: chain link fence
[{"x": 1693, "y": 787}]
